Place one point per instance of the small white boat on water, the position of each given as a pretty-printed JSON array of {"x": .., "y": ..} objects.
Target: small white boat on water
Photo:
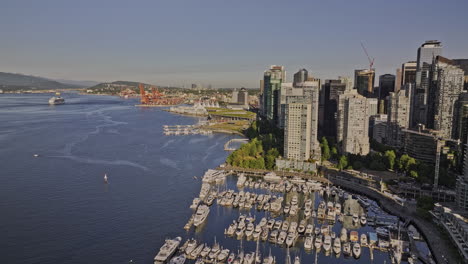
[
  {"x": 357, "y": 250},
  {"x": 105, "y": 178}
]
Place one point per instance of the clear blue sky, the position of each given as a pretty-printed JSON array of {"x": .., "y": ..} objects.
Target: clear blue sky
[{"x": 225, "y": 43}]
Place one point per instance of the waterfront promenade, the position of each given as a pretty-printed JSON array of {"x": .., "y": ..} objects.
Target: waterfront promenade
[{"x": 440, "y": 247}]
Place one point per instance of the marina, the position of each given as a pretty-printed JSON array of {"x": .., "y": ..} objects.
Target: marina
[{"x": 290, "y": 220}]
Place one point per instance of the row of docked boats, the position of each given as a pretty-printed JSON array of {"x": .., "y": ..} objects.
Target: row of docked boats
[
  {"x": 278, "y": 184},
  {"x": 203, "y": 253}
]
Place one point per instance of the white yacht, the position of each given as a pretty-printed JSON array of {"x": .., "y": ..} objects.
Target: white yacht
[
  {"x": 337, "y": 245},
  {"x": 223, "y": 255},
  {"x": 196, "y": 252},
  {"x": 167, "y": 250},
  {"x": 363, "y": 219},
  {"x": 356, "y": 250},
  {"x": 241, "y": 180},
  {"x": 327, "y": 242},
  {"x": 206, "y": 250},
  {"x": 191, "y": 245},
  {"x": 195, "y": 203},
  {"x": 364, "y": 240},
  {"x": 201, "y": 215}
]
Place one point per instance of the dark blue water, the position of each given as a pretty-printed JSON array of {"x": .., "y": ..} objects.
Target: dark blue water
[{"x": 56, "y": 209}]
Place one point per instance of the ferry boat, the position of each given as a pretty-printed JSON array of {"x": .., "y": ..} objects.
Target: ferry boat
[
  {"x": 167, "y": 250},
  {"x": 56, "y": 100},
  {"x": 201, "y": 215}
]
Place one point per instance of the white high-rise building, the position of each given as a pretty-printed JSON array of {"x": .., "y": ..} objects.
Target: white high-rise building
[
  {"x": 353, "y": 123},
  {"x": 398, "y": 115},
  {"x": 301, "y": 121}
]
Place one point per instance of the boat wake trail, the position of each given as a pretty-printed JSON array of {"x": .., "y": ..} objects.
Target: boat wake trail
[
  {"x": 168, "y": 143},
  {"x": 67, "y": 151},
  {"x": 168, "y": 162},
  {"x": 105, "y": 162}
]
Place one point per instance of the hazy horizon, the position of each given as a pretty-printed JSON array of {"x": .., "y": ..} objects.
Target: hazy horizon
[{"x": 225, "y": 44}]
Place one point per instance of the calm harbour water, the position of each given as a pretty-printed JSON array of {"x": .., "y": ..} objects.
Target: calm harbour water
[{"x": 56, "y": 208}]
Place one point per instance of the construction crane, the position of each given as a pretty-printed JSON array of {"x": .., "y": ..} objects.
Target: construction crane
[{"x": 370, "y": 73}]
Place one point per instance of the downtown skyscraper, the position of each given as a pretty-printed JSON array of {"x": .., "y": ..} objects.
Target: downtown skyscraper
[
  {"x": 446, "y": 82},
  {"x": 272, "y": 80},
  {"x": 426, "y": 53}
]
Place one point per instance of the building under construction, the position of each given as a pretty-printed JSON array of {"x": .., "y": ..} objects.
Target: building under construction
[{"x": 156, "y": 98}]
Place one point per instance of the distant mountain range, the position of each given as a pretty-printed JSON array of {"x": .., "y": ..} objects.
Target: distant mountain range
[
  {"x": 83, "y": 84},
  {"x": 15, "y": 81}
]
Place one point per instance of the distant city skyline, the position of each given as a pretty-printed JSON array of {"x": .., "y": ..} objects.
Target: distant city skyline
[{"x": 225, "y": 44}]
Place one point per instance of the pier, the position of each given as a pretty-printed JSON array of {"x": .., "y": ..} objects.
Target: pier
[
  {"x": 227, "y": 145},
  {"x": 184, "y": 130}
]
